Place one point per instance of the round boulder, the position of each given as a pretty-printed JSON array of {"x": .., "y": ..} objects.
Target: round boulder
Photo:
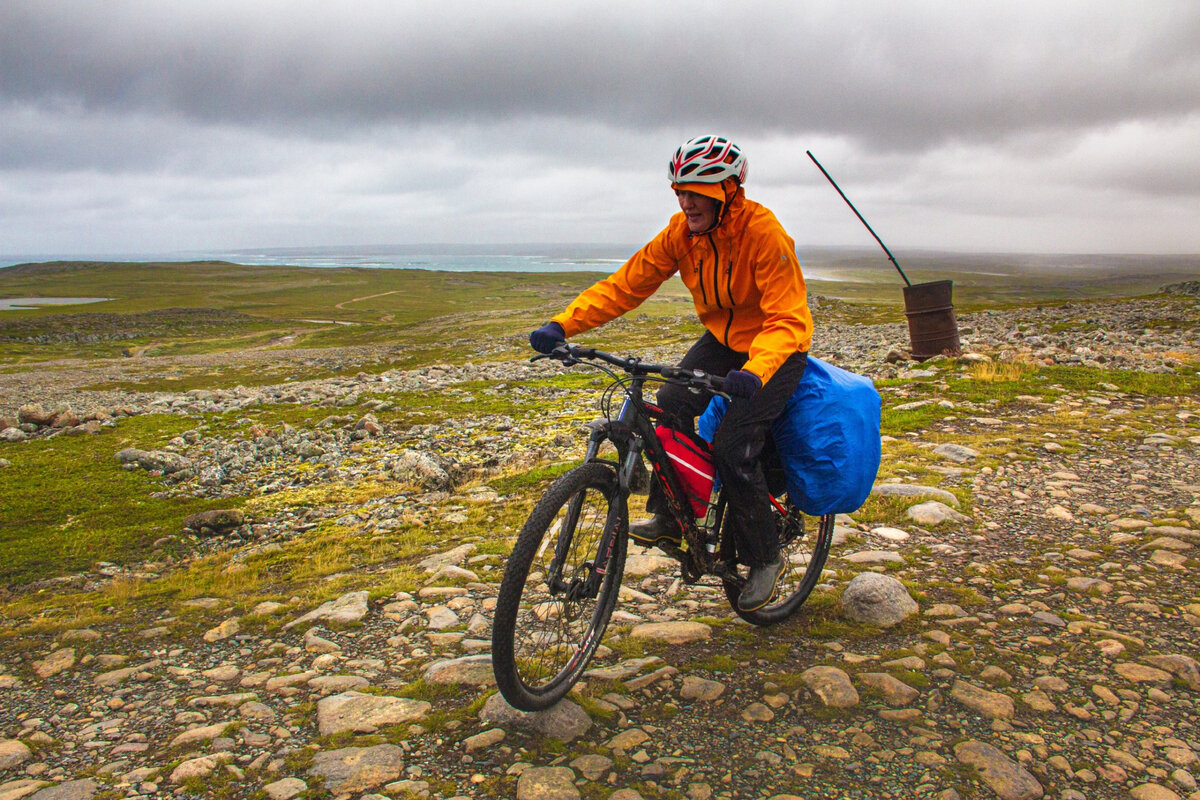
[
  {"x": 34, "y": 414},
  {"x": 876, "y": 599},
  {"x": 422, "y": 469}
]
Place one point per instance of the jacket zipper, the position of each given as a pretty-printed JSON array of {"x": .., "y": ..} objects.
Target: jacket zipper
[
  {"x": 729, "y": 284},
  {"x": 717, "y": 286},
  {"x": 729, "y": 294},
  {"x": 716, "y": 271}
]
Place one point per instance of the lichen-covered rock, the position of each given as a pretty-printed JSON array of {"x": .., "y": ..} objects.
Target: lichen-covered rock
[
  {"x": 992, "y": 705},
  {"x": 912, "y": 490},
  {"x": 547, "y": 783},
  {"x": 831, "y": 685},
  {"x": 200, "y": 767},
  {"x": 365, "y": 713},
  {"x": 56, "y": 662},
  {"x": 356, "y": 769},
  {"x": 564, "y": 721},
  {"x": 12, "y": 753},
  {"x": 894, "y": 691},
  {"x": 878, "y": 600},
  {"x": 219, "y": 520},
  {"x": 473, "y": 670},
  {"x": 1183, "y": 667},
  {"x": 934, "y": 512},
  {"x": 34, "y": 414},
  {"x": 163, "y": 461},
  {"x": 350, "y": 607},
  {"x": 1008, "y": 779},
  {"x": 674, "y": 633},
  {"x": 422, "y": 469}
]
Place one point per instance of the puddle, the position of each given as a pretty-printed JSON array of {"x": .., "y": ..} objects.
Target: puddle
[{"x": 14, "y": 303}]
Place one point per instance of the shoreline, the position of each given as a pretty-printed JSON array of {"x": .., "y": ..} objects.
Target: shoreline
[{"x": 543, "y": 259}]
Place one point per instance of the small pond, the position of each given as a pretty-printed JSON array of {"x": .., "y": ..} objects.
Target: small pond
[{"x": 10, "y": 303}]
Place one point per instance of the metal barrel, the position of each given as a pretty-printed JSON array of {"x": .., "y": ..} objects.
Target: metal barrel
[{"x": 932, "y": 328}]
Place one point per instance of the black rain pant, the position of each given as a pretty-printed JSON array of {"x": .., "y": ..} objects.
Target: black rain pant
[{"x": 738, "y": 444}]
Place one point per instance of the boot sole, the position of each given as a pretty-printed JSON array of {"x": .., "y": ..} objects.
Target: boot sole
[
  {"x": 653, "y": 542},
  {"x": 770, "y": 597}
]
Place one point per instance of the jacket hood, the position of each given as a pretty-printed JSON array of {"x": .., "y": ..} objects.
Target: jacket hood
[
  {"x": 714, "y": 190},
  {"x": 727, "y": 192}
]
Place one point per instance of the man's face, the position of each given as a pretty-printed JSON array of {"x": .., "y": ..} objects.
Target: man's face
[{"x": 701, "y": 211}]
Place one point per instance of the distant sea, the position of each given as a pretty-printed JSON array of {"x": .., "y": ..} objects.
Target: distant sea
[
  {"x": 450, "y": 258},
  {"x": 604, "y": 258},
  {"x": 835, "y": 264}
]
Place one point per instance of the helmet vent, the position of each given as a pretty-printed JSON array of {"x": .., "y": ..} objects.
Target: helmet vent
[{"x": 707, "y": 159}]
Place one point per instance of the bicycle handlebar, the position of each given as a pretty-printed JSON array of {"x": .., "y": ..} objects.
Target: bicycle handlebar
[{"x": 570, "y": 354}]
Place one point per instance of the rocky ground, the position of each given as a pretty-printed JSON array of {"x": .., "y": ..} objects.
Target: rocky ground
[{"x": 1049, "y": 543}]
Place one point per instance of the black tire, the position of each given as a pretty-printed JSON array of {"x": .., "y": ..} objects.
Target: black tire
[
  {"x": 804, "y": 543},
  {"x": 541, "y": 643}
]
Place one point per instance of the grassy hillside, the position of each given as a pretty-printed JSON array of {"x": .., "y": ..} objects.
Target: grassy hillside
[
  {"x": 256, "y": 307},
  {"x": 261, "y": 306}
]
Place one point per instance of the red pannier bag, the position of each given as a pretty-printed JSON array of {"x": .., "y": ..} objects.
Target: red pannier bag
[{"x": 693, "y": 463}]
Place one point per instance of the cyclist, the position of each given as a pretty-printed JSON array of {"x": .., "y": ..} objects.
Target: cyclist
[{"x": 745, "y": 280}]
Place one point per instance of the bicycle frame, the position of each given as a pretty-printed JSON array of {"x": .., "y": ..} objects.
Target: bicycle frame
[
  {"x": 541, "y": 645},
  {"x": 632, "y": 434}
]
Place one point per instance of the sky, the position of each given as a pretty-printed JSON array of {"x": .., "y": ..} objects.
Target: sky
[{"x": 1056, "y": 126}]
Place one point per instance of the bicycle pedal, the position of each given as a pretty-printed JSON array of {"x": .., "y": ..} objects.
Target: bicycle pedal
[{"x": 672, "y": 547}]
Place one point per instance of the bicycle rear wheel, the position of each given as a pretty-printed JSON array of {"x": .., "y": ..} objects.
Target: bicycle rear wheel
[
  {"x": 804, "y": 544},
  {"x": 547, "y": 626}
]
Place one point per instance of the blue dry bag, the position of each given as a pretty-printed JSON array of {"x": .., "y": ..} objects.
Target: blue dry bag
[{"x": 827, "y": 438}]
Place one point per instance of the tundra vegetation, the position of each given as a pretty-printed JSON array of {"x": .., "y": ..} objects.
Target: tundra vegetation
[{"x": 193, "y": 469}]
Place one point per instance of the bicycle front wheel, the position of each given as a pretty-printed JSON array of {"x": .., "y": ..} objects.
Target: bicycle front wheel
[
  {"x": 804, "y": 544},
  {"x": 552, "y": 610}
]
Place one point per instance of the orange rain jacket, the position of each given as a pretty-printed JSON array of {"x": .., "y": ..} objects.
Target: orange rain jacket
[{"x": 744, "y": 277}]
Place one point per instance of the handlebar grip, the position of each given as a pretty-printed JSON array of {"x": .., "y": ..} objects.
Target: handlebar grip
[
  {"x": 694, "y": 377},
  {"x": 569, "y": 354}
]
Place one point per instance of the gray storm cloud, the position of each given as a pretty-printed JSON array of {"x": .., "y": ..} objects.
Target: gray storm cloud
[
  {"x": 532, "y": 99},
  {"x": 872, "y": 70}
]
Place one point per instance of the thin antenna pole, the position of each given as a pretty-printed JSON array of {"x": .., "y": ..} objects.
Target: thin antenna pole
[{"x": 891, "y": 257}]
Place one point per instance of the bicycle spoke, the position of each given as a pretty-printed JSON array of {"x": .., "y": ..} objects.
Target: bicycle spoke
[
  {"x": 804, "y": 545},
  {"x": 553, "y": 626}
]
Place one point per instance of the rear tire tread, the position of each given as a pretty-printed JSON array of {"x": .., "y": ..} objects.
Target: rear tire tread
[{"x": 783, "y": 608}]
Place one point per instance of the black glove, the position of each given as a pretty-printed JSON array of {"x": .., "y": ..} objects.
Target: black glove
[
  {"x": 547, "y": 337},
  {"x": 741, "y": 383}
]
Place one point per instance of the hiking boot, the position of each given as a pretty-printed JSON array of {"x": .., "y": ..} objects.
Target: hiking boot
[
  {"x": 658, "y": 529},
  {"x": 760, "y": 585}
]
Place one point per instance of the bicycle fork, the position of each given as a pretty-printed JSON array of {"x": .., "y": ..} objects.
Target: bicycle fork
[{"x": 580, "y": 588}]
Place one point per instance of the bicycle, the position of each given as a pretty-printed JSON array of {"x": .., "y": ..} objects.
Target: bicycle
[{"x": 562, "y": 580}]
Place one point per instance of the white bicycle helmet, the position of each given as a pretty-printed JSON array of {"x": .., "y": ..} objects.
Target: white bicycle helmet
[{"x": 707, "y": 159}]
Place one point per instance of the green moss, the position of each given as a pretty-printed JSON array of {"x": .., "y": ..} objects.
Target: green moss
[
  {"x": 787, "y": 681},
  {"x": 898, "y": 423},
  {"x": 68, "y": 503},
  {"x": 1085, "y": 379},
  {"x": 718, "y": 662},
  {"x": 350, "y": 739},
  {"x": 775, "y": 653},
  {"x": 538, "y": 477},
  {"x": 915, "y": 679},
  {"x": 833, "y": 629},
  {"x": 965, "y": 596},
  {"x": 587, "y": 699},
  {"x": 884, "y": 510},
  {"x": 220, "y": 785}
]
